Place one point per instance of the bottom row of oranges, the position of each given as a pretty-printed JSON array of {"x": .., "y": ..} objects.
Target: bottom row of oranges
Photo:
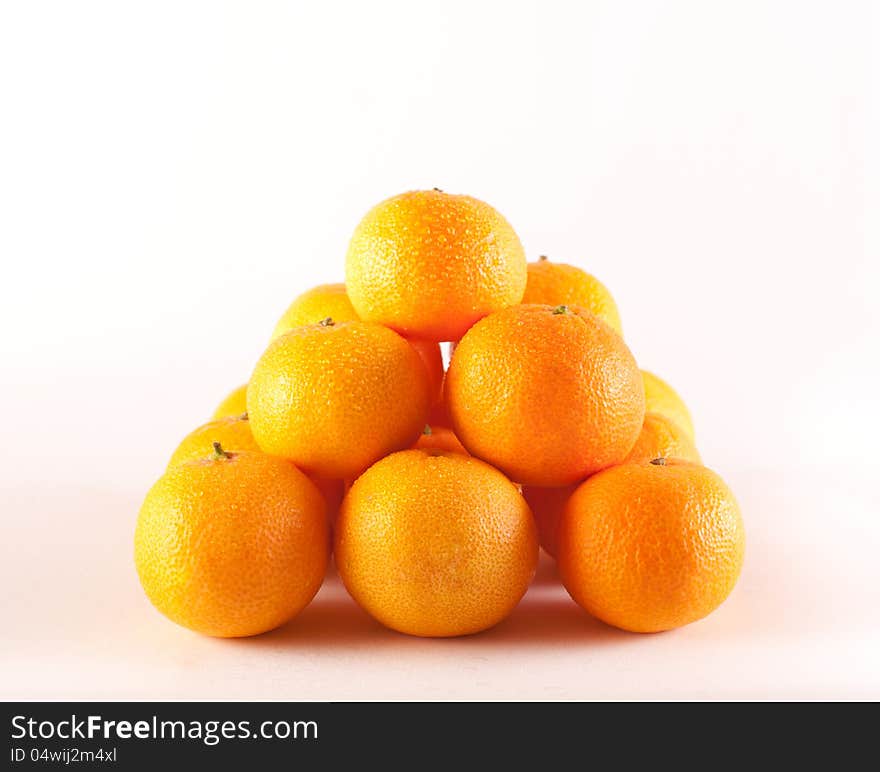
[{"x": 432, "y": 542}]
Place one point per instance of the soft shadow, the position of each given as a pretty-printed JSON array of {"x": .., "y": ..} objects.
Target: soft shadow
[
  {"x": 335, "y": 622},
  {"x": 545, "y": 617},
  {"x": 557, "y": 620}
]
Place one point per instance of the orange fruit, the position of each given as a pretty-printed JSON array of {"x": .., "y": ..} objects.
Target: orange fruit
[
  {"x": 330, "y": 301},
  {"x": 234, "y": 404},
  {"x": 429, "y": 264},
  {"x": 314, "y": 305},
  {"x": 547, "y": 505},
  {"x": 233, "y": 433},
  {"x": 435, "y": 544},
  {"x": 662, "y": 438},
  {"x": 558, "y": 284},
  {"x": 548, "y": 395},
  {"x": 439, "y": 438},
  {"x": 334, "y": 398},
  {"x": 232, "y": 545},
  {"x": 661, "y": 398},
  {"x": 651, "y": 546}
]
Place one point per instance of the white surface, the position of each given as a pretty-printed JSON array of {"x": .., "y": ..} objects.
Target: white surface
[{"x": 172, "y": 174}]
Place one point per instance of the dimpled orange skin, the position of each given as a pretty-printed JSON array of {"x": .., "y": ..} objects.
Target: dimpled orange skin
[
  {"x": 559, "y": 284},
  {"x": 439, "y": 438},
  {"x": 549, "y": 396},
  {"x": 647, "y": 547},
  {"x": 333, "y": 399},
  {"x": 234, "y": 404},
  {"x": 232, "y": 547},
  {"x": 330, "y": 301},
  {"x": 429, "y": 264},
  {"x": 662, "y": 438},
  {"x": 547, "y": 505},
  {"x": 233, "y": 433},
  {"x": 435, "y": 544},
  {"x": 661, "y": 398}
]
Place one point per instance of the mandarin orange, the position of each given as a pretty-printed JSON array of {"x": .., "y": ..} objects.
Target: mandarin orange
[
  {"x": 429, "y": 264},
  {"x": 548, "y": 395},
  {"x": 435, "y": 544},
  {"x": 334, "y": 398},
  {"x": 651, "y": 546},
  {"x": 232, "y": 545}
]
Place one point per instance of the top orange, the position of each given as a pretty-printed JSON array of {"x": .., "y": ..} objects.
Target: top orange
[
  {"x": 558, "y": 284},
  {"x": 429, "y": 264}
]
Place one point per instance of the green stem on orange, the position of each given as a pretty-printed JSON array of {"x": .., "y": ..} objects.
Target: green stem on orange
[
  {"x": 659, "y": 461},
  {"x": 560, "y": 310},
  {"x": 427, "y": 430},
  {"x": 328, "y": 322},
  {"x": 219, "y": 453},
  {"x": 543, "y": 258}
]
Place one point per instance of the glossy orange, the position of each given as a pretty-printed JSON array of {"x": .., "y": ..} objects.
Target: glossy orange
[
  {"x": 651, "y": 546},
  {"x": 435, "y": 544},
  {"x": 548, "y": 395},
  {"x": 233, "y": 545},
  {"x": 429, "y": 264},
  {"x": 334, "y": 398}
]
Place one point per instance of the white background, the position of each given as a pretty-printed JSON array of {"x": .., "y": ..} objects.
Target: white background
[{"x": 172, "y": 174}]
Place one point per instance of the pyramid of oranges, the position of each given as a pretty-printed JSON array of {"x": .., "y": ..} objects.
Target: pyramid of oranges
[{"x": 433, "y": 489}]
